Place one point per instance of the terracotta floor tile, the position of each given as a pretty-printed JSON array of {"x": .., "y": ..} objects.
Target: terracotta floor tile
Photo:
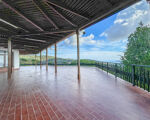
[{"x": 35, "y": 94}]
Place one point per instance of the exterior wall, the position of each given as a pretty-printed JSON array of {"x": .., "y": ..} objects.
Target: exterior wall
[
  {"x": 3, "y": 57},
  {"x": 16, "y": 60}
]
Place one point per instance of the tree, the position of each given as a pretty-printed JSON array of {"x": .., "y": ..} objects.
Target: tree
[{"x": 138, "y": 47}]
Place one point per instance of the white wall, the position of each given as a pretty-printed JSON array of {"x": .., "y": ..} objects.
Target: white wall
[{"x": 16, "y": 59}]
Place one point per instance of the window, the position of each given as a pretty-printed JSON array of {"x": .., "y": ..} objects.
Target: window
[{"x": 3, "y": 59}]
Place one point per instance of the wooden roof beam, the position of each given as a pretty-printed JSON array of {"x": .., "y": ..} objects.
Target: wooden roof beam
[
  {"x": 62, "y": 6},
  {"x": 7, "y": 23},
  {"x": 8, "y": 27},
  {"x": 13, "y": 22},
  {"x": 49, "y": 32},
  {"x": 108, "y": 12},
  {"x": 47, "y": 39},
  {"x": 26, "y": 48},
  {"x": 52, "y": 36},
  {"x": 109, "y": 2},
  {"x": 24, "y": 42},
  {"x": 45, "y": 13},
  {"x": 10, "y": 6},
  {"x": 31, "y": 39},
  {"x": 36, "y": 38},
  {"x": 5, "y": 33},
  {"x": 62, "y": 16},
  {"x": 25, "y": 52},
  {"x": 19, "y": 45},
  {"x": 21, "y": 42}
]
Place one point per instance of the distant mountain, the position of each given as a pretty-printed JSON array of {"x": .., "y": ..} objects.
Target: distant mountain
[{"x": 30, "y": 60}]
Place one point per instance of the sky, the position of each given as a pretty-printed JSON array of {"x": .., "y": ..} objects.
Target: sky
[{"x": 107, "y": 39}]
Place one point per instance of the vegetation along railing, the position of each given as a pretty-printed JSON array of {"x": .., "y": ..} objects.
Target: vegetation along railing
[{"x": 138, "y": 75}]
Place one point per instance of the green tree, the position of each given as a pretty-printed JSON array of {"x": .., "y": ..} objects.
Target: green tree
[{"x": 138, "y": 47}]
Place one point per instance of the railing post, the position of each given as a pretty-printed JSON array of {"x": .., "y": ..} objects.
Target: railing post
[
  {"x": 144, "y": 78},
  {"x": 148, "y": 82},
  {"x": 133, "y": 75},
  {"x": 116, "y": 70},
  {"x": 107, "y": 67}
]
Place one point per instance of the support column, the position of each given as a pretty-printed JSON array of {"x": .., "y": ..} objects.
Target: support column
[
  {"x": 55, "y": 58},
  {"x": 9, "y": 58},
  {"x": 40, "y": 60},
  {"x": 46, "y": 59},
  {"x": 35, "y": 60},
  {"x": 78, "y": 53}
]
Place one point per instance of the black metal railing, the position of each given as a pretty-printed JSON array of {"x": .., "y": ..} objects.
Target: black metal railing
[{"x": 138, "y": 75}]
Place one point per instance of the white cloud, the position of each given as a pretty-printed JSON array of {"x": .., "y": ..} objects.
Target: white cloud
[
  {"x": 103, "y": 34},
  {"x": 97, "y": 44},
  {"x": 94, "y": 54},
  {"x": 84, "y": 40},
  {"x": 118, "y": 21},
  {"x": 127, "y": 21},
  {"x": 102, "y": 55}
]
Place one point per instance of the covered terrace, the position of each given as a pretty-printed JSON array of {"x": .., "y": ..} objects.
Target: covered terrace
[{"x": 63, "y": 93}]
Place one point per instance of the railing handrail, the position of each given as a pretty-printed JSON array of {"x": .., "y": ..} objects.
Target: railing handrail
[
  {"x": 131, "y": 73},
  {"x": 124, "y": 64}
]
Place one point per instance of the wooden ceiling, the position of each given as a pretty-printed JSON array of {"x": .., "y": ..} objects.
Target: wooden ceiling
[{"x": 35, "y": 25}]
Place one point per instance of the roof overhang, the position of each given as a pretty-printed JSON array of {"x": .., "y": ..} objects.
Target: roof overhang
[{"x": 35, "y": 25}]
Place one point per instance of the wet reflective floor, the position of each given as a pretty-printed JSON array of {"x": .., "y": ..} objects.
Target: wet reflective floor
[{"x": 35, "y": 94}]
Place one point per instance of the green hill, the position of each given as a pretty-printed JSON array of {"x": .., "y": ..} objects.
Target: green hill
[{"x": 30, "y": 60}]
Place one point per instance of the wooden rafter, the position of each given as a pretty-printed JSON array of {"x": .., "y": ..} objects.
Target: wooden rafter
[
  {"x": 109, "y": 2},
  {"x": 45, "y": 13},
  {"x": 62, "y": 16},
  {"x": 36, "y": 38},
  {"x": 49, "y": 32},
  {"x": 21, "y": 47},
  {"x": 24, "y": 42},
  {"x": 4, "y": 32},
  {"x": 51, "y": 36},
  {"x": 18, "y": 46},
  {"x": 107, "y": 12},
  {"x": 21, "y": 42},
  {"x": 26, "y": 47},
  {"x": 10, "y": 6},
  {"x": 62, "y": 6},
  {"x": 25, "y": 52},
  {"x": 33, "y": 40},
  {"x": 8, "y": 27},
  {"x": 69, "y": 16},
  {"x": 12, "y": 21}
]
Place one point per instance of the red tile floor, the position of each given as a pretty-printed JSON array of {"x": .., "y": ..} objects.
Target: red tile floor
[{"x": 35, "y": 94}]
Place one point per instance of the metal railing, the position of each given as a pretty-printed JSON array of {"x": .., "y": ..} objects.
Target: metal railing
[{"x": 138, "y": 75}]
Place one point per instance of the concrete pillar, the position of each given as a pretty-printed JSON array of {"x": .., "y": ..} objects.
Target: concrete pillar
[
  {"x": 9, "y": 58},
  {"x": 41, "y": 60},
  {"x": 35, "y": 60},
  {"x": 78, "y": 53},
  {"x": 55, "y": 58},
  {"x": 46, "y": 59}
]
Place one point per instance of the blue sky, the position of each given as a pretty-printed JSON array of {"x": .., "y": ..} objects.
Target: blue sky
[{"x": 107, "y": 39}]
